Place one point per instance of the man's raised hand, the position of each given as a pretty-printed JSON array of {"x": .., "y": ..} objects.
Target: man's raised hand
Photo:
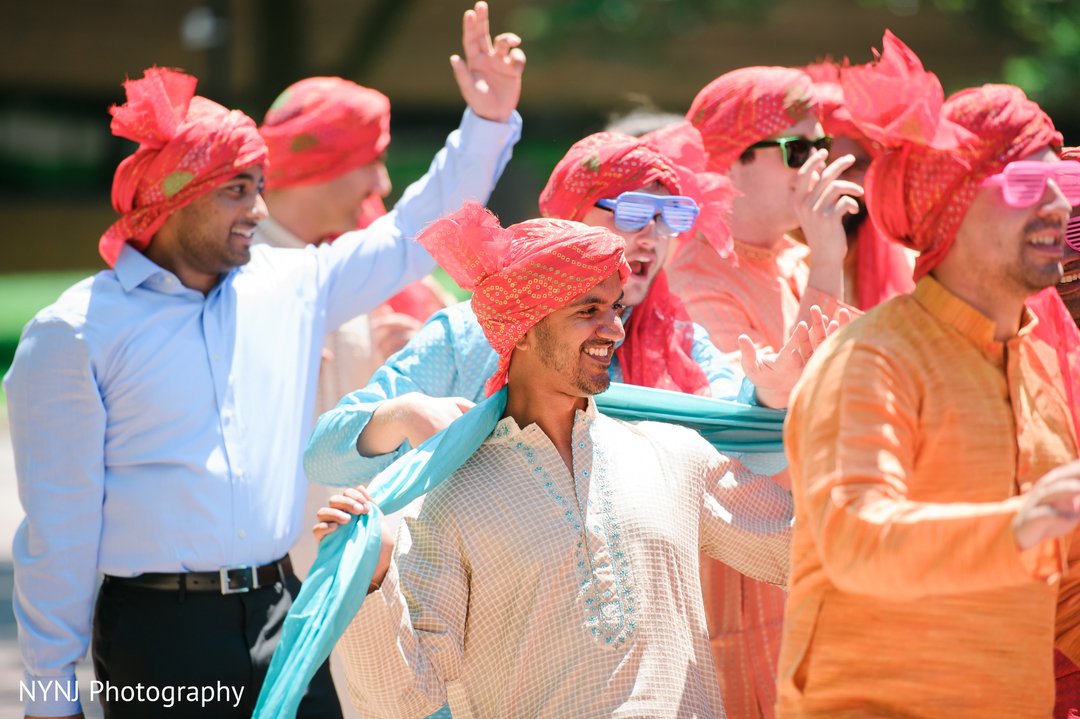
[{"x": 489, "y": 76}]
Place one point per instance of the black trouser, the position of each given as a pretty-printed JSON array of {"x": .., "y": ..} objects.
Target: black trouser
[{"x": 172, "y": 639}]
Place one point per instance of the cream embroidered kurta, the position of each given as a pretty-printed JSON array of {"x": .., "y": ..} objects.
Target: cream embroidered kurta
[{"x": 523, "y": 589}]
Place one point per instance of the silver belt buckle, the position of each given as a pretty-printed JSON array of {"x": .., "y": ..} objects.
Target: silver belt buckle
[{"x": 226, "y": 584}]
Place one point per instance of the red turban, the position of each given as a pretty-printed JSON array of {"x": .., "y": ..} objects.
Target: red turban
[
  {"x": 322, "y": 127},
  {"x": 657, "y": 351},
  {"x": 744, "y": 106},
  {"x": 936, "y": 153},
  {"x": 188, "y": 145},
  {"x": 522, "y": 273},
  {"x": 603, "y": 165}
]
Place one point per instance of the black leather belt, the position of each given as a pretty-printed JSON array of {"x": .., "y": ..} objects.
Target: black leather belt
[{"x": 227, "y": 580}]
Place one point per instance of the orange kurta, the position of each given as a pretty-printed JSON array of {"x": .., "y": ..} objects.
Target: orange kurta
[
  {"x": 910, "y": 437},
  {"x": 760, "y": 293}
]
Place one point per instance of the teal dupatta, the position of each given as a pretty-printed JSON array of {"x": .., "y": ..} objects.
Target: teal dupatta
[{"x": 337, "y": 583}]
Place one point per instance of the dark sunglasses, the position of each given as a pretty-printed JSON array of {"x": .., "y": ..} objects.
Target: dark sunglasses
[{"x": 796, "y": 149}]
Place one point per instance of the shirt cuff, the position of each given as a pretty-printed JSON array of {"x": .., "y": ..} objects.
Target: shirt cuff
[
  {"x": 476, "y": 129},
  {"x": 50, "y": 696}
]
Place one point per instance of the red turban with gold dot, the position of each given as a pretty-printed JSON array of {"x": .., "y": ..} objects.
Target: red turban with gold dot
[
  {"x": 188, "y": 145},
  {"x": 935, "y": 152},
  {"x": 522, "y": 273},
  {"x": 322, "y": 127}
]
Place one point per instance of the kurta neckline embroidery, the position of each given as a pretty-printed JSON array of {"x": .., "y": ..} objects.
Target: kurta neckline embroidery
[{"x": 606, "y": 586}]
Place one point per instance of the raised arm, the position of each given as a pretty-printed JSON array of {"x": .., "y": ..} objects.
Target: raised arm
[
  {"x": 362, "y": 269},
  {"x": 58, "y": 434}
]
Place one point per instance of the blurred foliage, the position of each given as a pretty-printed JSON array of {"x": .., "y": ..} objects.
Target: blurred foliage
[
  {"x": 613, "y": 26},
  {"x": 1047, "y": 33}
]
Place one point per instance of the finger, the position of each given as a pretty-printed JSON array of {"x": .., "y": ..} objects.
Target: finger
[
  {"x": 802, "y": 337},
  {"x": 748, "y": 355},
  {"x": 359, "y": 498},
  {"x": 462, "y": 76},
  {"x": 504, "y": 42},
  {"x": 322, "y": 529},
  {"x": 837, "y": 167},
  {"x": 809, "y": 172},
  {"x": 483, "y": 27},
  {"x": 470, "y": 43},
  {"x": 346, "y": 504},
  {"x": 517, "y": 60},
  {"x": 843, "y": 316},
  {"x": 336, "y": 516},
  {"x": 829, "y": 195}
]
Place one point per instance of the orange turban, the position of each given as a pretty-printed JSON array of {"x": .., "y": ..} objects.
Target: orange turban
[
  {"x": 744, "y": 106},
  {"x": 522, "y": 273},
  {"x": 322, "y": 127},
  {"x": 188, "y": 145},
  {"x": 935, "y": 152}
]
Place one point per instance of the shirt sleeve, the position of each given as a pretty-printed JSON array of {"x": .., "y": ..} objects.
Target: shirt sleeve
[
  {"x": 361, "y": 269},
  {"x": 427, "y": 364},
  {"x": 407, "y": 641},
  {"x": 745, "y": 519},
  {"x": 58, "y": 432},
  {"x": 725, "y": 379},
  {"x": 851, "y": 454}
]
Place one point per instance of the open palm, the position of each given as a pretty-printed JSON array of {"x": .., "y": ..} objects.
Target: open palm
[{"x": 490, "y": 75}]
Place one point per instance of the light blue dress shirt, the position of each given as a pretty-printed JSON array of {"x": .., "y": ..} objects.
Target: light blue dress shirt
[
  {"x": 159, "y": 430},
  {"x": 450, "y": 357}
]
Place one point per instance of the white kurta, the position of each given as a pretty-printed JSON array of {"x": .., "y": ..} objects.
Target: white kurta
[{"x": 521, "y": 590}]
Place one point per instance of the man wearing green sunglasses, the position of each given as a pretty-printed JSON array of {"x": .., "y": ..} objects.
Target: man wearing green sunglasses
[{"x": 760, "y": 129}]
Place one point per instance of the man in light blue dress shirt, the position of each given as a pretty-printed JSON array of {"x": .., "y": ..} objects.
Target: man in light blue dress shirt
[{"x": 158, "y": 408}]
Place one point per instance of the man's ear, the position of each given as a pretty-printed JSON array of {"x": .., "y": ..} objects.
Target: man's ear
[{"x": 525, "y": 342}]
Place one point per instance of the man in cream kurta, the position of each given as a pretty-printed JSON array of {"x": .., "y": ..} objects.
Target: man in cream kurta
[{"x": 559, "y": 577}]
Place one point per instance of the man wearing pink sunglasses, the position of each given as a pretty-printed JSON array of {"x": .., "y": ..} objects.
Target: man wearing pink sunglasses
[{"x": 931, "y": 444}]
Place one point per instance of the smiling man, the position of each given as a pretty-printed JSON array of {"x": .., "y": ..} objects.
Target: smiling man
[
  {"x": 931, "y": 443},
  {"x": 555, "y": 572},
  {"x": 158, "y": 408}
]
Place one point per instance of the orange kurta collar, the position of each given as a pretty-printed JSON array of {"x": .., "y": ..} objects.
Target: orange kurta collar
[{"x": 965, "y": 319}]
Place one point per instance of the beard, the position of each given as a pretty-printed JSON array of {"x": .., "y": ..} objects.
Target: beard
[{"x": 567, "y": 363}]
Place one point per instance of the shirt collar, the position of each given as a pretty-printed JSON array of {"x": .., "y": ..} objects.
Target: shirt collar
[
  {"x": 965, "y": 319},
  {"x": 132, "y": 268},
  {"x": 507, "y": 430}
]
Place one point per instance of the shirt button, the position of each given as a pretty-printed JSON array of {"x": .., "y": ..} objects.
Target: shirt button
[
  {"x": 242, "y": 534},
  {"x": 240, "y": 474}
]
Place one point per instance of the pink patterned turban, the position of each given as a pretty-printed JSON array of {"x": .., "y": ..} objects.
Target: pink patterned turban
[
  {"x": 322, "y": 127},
  {"x": 188, "y": 145},
  {"x": 935, "y": 152},
  {"x": 522, "y": 273},
  {"x": 746, "y": 105}
]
